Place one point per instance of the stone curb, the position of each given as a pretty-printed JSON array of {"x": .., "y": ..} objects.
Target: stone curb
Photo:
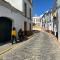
[
  {"x": 11, "y": 47},
  {"x": 6, "y": 50}
]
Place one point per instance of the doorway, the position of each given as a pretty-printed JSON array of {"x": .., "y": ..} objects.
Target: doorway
[{"x": 5, "y": 29}]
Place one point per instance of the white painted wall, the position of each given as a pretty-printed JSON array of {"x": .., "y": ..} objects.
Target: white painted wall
[
  {"x": 58, "y": 2},
  {"x": 52, "y": 21},
  {"x": 18, "y": 4},
  {"x": 28, "y": 7},
  {"x": 49, "y": 24},
  {"x": 59, "y": 24},
  {"x": 16, "y": 17}
]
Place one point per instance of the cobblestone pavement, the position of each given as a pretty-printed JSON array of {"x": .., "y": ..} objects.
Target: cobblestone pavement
[{"x": 39, "y": 47}]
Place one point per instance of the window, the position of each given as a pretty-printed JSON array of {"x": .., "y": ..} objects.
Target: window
[
  {"x": 30, "y": 13},
  {"x": 30, "y": 26},
  {"x": 50, "y": 20},
  {"x": 25, "y": 6}
]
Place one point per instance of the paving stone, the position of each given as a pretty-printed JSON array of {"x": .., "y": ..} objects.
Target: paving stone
[{"x": 39, "y": 47}]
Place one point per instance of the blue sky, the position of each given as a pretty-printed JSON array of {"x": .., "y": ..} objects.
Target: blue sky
[{"x": 40, "y": 6}]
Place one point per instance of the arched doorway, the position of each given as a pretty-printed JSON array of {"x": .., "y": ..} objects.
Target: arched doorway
[{"x": 5, "y": 29}]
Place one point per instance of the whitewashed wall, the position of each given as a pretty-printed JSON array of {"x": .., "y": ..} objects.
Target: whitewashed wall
[
  {"x": 18, "y": 4},
  {"x": 58, "y": 2},
  {"x": 28, "y": 7},
  {"x": 16, "y": 17},
  {"x": 52, "y": 21},
  {"x": 59, "y": 24}
]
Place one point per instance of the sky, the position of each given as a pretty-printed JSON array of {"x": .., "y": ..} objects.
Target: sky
[{"x": 41, "y": 6}]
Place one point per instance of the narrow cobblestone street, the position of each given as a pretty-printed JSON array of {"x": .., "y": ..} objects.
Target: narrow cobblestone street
[{"x": 39, "y": 47}]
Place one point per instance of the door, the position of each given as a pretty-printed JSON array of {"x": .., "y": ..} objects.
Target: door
[
  {"x": 25, "y": 28},
  {"x": 5, "y": 29}
]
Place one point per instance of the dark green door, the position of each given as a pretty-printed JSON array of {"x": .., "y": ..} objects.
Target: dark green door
[{"x": 5, "y": 29}]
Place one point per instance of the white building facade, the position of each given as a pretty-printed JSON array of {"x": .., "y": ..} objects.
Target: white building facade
[
  {"x": 36, "y": 23},
  {"x": 47, "y": 21},
  {"x": 17, "y": 14},
  {"x": 58, "y": 10}
]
